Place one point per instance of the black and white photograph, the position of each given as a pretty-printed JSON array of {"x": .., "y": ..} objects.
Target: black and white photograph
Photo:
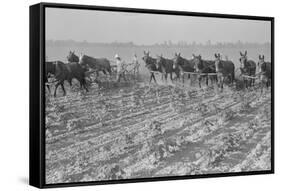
[{"x": 131, "y": 95}]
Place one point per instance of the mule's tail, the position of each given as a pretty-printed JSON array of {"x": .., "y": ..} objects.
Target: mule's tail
[
  {"x": 233, "y": 75},
  {"x": 109, "y": 69}
]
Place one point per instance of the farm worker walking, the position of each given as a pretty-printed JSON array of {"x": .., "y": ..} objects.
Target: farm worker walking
[
  {"x": 120, "y": 68},
  {"x": 136, "y": 64}
]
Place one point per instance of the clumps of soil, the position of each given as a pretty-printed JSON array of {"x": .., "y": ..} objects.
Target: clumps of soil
[
  {"x": 137, "y": 100},
  {"x": 158, "y": 147},
  {"x": 239, "y": 85},
  {"x": 258, "y": 159},
  {"x": 254, "y": 124},
  {"x": 245, "y": 104},
  {"x": 225, "y": 116},
  {"x": 155, "y": 128},
  {"x": 108, "y": 172},
  {"x": 191, "y": 94},
  {"x": 73, "y": 124},
  {"x": 165, "y": 148},
  {"x": 265, "y": 113},
  {"x": 202, "y": 108},
  {"x": 126, "y": 139},
  {"x": 59, "y": 108},
  {"x": 60, "y": 175},
  {"x": 225, "y": 144}
]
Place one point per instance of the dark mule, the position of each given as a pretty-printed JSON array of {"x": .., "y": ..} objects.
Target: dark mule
[
  {"x": 248, "y": 68},
  {"x": 95, "y": 64},
  {"x": 62, "y": 72},
  {"x": 264, "y": 71},
  {"x": 225, "y": 70},
  {"x": 165, "y": 66},
  {"x": 72, "y": 57},
  {"x": 150, "y": 64},
  {"x": 203, "y": 67},
  {"x": 183, "y": 65}
]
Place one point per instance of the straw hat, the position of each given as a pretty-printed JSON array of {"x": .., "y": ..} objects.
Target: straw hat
[{"x": 116, "y": 56}]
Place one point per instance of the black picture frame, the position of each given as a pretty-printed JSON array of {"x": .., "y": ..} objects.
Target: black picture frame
[{"x": 37, "y": 95}]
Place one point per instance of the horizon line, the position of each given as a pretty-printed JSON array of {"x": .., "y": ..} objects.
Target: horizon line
[{"x": 168, "y": 42}]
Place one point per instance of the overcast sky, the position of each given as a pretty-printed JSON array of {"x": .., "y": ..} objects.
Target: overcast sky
[{"x": 104, "y": 26}]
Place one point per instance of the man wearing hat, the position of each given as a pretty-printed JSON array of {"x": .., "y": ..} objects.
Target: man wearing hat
[{"x": 120, "y": 68}]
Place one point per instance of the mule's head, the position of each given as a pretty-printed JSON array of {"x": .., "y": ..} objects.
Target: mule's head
[
  {"x": 159, "y": 61},
  {"x": 176, "y": 60},
  {"x": 218, "y": 62},
  {"x": 72, "y": 57},
  {"x": 82, "y": 62},
  {"x": 198, "y": 63},
  {"x": 260, "y": 63},
  {"x": 146, "y": 56},
  {"x": 243, "y": 59}
]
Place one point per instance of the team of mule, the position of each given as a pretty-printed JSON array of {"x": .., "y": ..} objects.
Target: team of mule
[{"x": 217, "y": 71}]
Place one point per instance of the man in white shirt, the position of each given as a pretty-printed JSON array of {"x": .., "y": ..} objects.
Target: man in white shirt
[
  {"x": 136, "y": 64},
  {"x": 120, "y": 68}
]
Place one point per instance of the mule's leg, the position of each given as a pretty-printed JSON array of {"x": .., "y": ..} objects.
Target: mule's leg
[
  {"x": 223, "y": 80},
  {"x": 118, "y": 77},
  {"x": 83, "y": 84},
  {"x": 162, "y": 77},
  {"x": 178, "y": 75},
  {"x": 212, "y": 80},
  {"x": 150, "y": 77},
  {"x": 70, "y": 82},
  {"x": 219, "y": 82},
  {"x": 250, "y": 82},
  {"x": 261, "y": 84},
  {"x": 109, "y": 71},
  {"x": 268, "y": 83},
  {"x": 207, "y": 80},
  {"x": 56, "y": 87},
  {"x": 216, "y": 79},
  {"x": 171, "y": 77},
  {"x": 62, "y": 87},
  {"x": 245, "y": 82},
  {"x": 191, "y": 78},
  {"x": 48, "y": 86},
  {"x": 124, "y": 77},
  {"x": 153, "y": 76},
  {"x": 199, "y": 81}
]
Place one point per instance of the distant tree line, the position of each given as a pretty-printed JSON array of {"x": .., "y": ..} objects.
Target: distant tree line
[{"x": 169, "y": 43}]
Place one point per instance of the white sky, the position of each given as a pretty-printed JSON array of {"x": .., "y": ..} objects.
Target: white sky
[{"x": 105, "y": 26}]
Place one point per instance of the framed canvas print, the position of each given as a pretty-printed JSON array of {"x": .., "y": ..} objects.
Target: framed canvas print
[{"x": 123, "y": 95}]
